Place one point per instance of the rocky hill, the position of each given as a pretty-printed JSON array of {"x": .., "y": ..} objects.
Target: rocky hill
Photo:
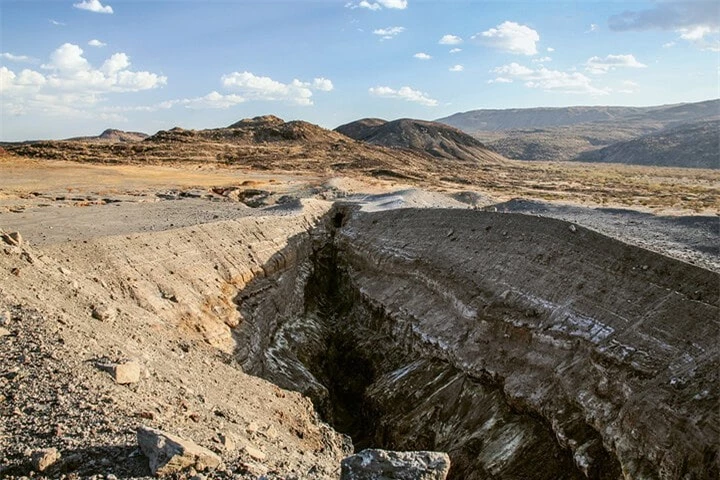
[
  {"x": 694, "y": 145},
  {"x": 113, "y": 135},
  {"x": 435, "y": 139}
]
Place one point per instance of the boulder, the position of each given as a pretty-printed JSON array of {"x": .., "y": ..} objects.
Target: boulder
[
  {"x": 374, "y": 464},
  {"x": 44, "y": 459},
  {"x": 125, "y": 373},
  {"x": 169, "y": 454}
]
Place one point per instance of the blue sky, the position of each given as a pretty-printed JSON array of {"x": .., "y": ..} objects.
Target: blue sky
[{"x": 77, "y": 67}]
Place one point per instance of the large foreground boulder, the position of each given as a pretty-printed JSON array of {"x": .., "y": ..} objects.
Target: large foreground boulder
[
  {"x": 170, "y": 454},
  {"x": 373, "y": 464}
]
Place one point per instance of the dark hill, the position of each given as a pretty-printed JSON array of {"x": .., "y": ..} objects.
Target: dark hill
[
  {"x": 435, "y": 139},
  {"x": 694, "y": 145}
]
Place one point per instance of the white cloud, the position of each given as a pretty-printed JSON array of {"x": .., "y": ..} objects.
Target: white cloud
[
  {"x": 56, "y": 23},
  {"x": 404, "y": 93},
  {"x": 511, "y": 37},
  {"x": 696, "y": 32},
  {"x": 71, "y": 85},
  {"x": 593, "y": 28},
  {"x": 211, "y": 100},
  {"x": 93, "y": 6},
  {"x": 322, "y": 84},
  {"x": 668, "y": 44},
  {"x": 599, "y": 65},
  {"x": 379, "y": 4},
  {"x": 455, "y": 50},
  {"x": 548, "y": 80},
  {"x": 542, "y": 60},
  {"x": 16, "y": 58},
  {"x": 550, "y": 49},
  {"x": 422, "y": 56},
  {"x": 253, "y": 87},
  {"x": 457, "y": 68},
  {"x": 499, "y": 80},
  {"x": 389, "y": 33},
  {"x": 96, "y": 43},
  {"x": 450, "y": 40}
]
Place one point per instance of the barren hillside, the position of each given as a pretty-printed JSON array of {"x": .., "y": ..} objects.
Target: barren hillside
[{"x": 435, "y": 139}]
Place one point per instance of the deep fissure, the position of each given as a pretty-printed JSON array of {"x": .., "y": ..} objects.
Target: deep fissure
[{"x": 379, "y": 388}]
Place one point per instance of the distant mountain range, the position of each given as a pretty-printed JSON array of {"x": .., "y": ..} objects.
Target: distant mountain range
[
  {"x": 571, "y": 133},
  {"x": 113, "y": 135},
  {"x": 431, "y": 138}
]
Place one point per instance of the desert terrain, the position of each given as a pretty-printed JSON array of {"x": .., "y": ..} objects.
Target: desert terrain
[{"x": 289, "y": 295}]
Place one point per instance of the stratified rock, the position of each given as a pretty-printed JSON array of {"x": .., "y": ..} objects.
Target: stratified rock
[
  {"x": 128, "y": 372},
  {"x": 170, "y": 454},
  {"x": 43, "y": 459},
  {"x": 373, "y": 464}
]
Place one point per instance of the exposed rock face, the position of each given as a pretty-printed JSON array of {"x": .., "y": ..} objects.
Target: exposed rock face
[
  {"x": 522, "y": 347},
  {"x": 169, "y": 454},
  {"x": 374, "y": 464}
]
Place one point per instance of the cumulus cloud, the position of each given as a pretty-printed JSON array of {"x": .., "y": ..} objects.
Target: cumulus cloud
[
  {"x": 404, "y": 93},
  {"x": 96, "y": 43},
  {"x": 542, "y": 60},
  {"x": 546, "y": 79},
  {"x": 253, "y": 87},
  {"x": 455, "y": 50},
  {"x": 16, "y": 58},
  {"x": 593, "y": 28},
  {"x": 511, "y": 37},
  {"x": 93, "y": 6},
  {"x": 422, "y": 56},
  {"x": 379, "y": 4},
  {"x": 694, "y": 21},
  {"x": 388, "y": 33},
  {"x": 598, "y": 65},
  {"x": 668, "y": 44},
  {"x": 70, "y": 83},
  {"x": 450, "y": 40},
  {"x": 550, "y": 49},
  {"x": 457, "y": 68}
]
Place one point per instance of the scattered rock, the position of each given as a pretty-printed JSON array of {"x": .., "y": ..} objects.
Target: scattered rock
[
  {"x": 572, "y": 228},
  {"x": 374, "y": 464},
  {"x": 227, "y": 442},
  {"x": 170, "y": 454},
  {"x": 12, "y": 238},
  {"x": 254, "y": 452},
  {"x": 125, "y": 373},
  {"x": 44, "y": 459},
  {"x": 103, "y": 313},
  {"x": 4, "y": 332}
]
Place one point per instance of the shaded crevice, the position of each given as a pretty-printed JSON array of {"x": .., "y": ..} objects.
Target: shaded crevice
[{"x": 373, "y": 380}]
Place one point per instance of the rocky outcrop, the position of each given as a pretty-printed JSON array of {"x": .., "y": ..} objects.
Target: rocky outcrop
[
  {"x": 169, "y": 454},
  {"x": 525, "y": 347},
  {"x": 374, "y": 464}
]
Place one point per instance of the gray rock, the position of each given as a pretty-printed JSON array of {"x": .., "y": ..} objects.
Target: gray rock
[
  {"x": 170, "y": 454},
  {"x": 44, "y": 459},
  {"x": 374, "y": 464}
]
